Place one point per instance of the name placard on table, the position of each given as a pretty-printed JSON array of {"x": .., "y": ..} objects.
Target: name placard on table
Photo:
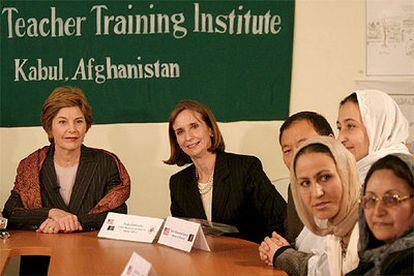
[
  {"x": 138, "y": 266},
  {"x": 182, "y": 234},
  {"x": 130, "y": 228}
]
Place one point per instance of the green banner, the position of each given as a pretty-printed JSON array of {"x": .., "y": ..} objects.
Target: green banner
[{"x": 136, "y": 59}]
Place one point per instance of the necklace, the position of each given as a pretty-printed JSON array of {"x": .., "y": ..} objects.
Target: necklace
[
  {"x": 343, "y": 248},
  {"x": 204, "y": 188}
]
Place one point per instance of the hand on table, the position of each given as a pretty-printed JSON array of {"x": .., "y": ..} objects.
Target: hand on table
[
  {"x": 49, "y": 226},
  {"x": 269, "y": 246},
  {"x": 67, "y": 222}
]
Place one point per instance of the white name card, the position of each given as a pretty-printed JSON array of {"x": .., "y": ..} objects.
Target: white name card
[
  {"x": 183, "y": 235},
  {"x": 130, "y": 228},
  {"x": 138, "y": 266}
]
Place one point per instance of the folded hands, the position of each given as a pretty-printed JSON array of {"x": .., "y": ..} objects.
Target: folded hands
[
  {"x": 60, "y": 221},
  {"x": 269, "y": 246}
]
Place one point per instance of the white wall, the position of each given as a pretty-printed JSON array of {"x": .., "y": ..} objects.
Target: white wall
[{"x": 329, "y": 54}]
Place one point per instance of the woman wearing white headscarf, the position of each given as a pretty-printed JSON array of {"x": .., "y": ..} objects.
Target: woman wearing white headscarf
[{"x": 371, "y": 126}]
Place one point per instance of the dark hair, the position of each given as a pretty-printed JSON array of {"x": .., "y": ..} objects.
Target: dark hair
[
  {"x": 396, "y": 165},
  {"x": 319, "y": 123},
  {"x": 61, "y": 97},
  {"x": 177, "y": 156},
  {"x": 401, "y": 170},
  {"x": 353, "y": 98},
  {"x": 311, "y": 148}
]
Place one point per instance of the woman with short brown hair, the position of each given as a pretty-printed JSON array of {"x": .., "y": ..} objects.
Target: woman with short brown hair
[
  {"x": 67, "y": 187},
  {"x": 60, "y": 97}
]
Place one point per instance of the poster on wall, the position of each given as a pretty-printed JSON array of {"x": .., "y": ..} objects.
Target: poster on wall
[
  {"x": 136, "y": 59},
  {"x": 390, "y": 37}
]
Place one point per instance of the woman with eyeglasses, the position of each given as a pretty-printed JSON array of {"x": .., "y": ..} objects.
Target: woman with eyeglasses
[
  {"x": 386, "y": 221},
  {"x": 371, "y": 126}
]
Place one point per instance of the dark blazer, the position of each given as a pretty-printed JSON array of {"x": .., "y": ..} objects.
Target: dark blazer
[
  {"x": 97, "y": 174},
  {"x": 242, "y": 196},
  {"x": 397, "y": 263},
  {"x": 293, "y": 224}
]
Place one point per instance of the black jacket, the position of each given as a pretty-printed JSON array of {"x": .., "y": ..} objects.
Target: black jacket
[
  {"x": 397, "y": 263},
  {"x": 242, "y": 196},
  {"x": 96, "y": 175}
]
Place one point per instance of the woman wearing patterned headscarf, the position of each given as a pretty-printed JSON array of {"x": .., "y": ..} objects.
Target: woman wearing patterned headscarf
[{"x": 386, "y": 218}]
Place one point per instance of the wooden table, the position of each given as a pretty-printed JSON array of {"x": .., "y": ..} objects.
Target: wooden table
[{"x": 85, "y": 254}]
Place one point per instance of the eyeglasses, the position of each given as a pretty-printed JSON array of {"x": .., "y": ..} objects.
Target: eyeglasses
[{"x": 389, "y": 200}]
